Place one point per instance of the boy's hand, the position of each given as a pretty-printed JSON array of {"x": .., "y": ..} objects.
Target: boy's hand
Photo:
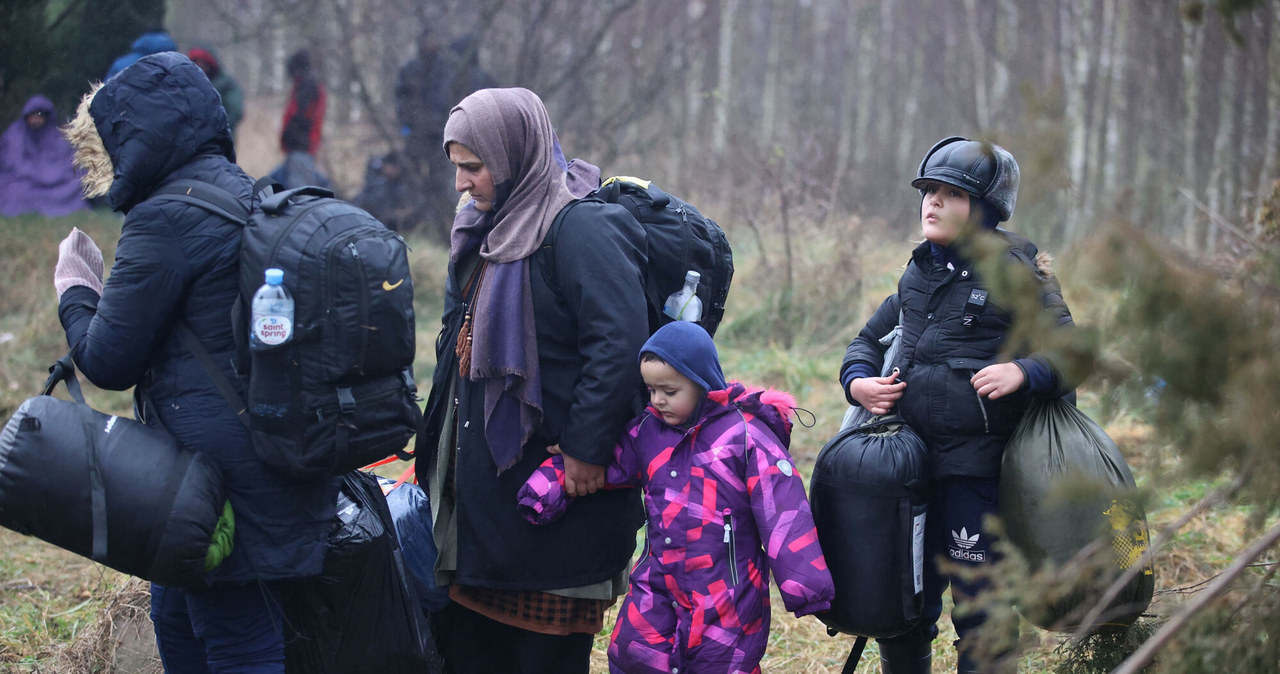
[
  {"x": 877, "y": 394},
  {"x": 580, "y": 478},
  {"x": 1001, "y": 379}
]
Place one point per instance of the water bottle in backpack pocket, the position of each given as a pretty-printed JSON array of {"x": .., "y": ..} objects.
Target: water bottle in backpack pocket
[{"x": 272, "y": 403}]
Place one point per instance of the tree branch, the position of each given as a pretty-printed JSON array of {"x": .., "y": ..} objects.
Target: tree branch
[
  {"x": 1100, "y": 606},
  {"x": 1134, "y": 663}
]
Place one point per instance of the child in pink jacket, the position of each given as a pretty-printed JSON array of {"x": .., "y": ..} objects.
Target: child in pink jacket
[{"x": 725, "y": 508}]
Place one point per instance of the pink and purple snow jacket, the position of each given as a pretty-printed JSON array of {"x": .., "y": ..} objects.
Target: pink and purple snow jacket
[{"x": 725, "y": 507}]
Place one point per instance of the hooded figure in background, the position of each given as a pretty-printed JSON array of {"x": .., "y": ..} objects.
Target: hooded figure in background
[
  {"x": 177, "y": 264},
  {"x": 302, "y": 126},
  {"x": 150, "y": 42},
  {"x": 228, "y": 88},
  {"x": 36, "y": 173}
]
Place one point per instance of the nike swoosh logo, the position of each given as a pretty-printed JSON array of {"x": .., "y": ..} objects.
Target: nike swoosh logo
[{"x": 387, "y": 286}]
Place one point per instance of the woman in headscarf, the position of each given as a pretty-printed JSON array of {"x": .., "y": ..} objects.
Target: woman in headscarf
[
  {"x": 36, "y": 170},
  {"x": 537, "y": 355}
]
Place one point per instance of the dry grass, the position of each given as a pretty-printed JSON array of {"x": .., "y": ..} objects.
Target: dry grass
[{"x": 119, "y": 640}]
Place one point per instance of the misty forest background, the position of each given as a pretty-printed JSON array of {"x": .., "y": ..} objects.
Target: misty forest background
[
  {"x": 1163, "y": 113},
  {"x": 1148, "y": 134}
]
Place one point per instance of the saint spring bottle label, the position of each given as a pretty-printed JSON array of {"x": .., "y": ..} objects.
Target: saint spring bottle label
[{"x": 272, "y": 320}]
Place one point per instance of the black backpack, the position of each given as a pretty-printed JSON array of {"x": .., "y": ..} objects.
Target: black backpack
[
  {"x": 347, "y": 372},
  {"x": 679, "y": 239}
]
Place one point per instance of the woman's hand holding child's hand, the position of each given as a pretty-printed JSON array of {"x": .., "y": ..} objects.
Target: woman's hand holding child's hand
[
  {"x": 877, "y": 394},
  {"x": 995, "y": 381},
  {"x": 580, "y": 478}
]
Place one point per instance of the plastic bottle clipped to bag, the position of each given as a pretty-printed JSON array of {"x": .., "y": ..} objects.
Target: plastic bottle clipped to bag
[
  {"x": 270, "y": 330},
  {"x": 684, "y": 305}
]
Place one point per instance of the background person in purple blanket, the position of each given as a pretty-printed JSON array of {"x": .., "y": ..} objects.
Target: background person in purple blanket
[
  {"x": 726, "y": 508},
  {"x": 36, "y": 170}
]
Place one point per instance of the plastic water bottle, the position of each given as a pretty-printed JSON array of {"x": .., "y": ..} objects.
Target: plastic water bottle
[
  {"x": 271, "y": 370},
  {"x": 272, "y": 313},
  {"x": 684, "y": 305}
]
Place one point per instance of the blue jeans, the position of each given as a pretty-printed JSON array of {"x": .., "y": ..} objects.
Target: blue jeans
[{"x": 227, "y": 630}]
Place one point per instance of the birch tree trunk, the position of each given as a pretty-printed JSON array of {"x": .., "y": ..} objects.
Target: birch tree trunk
[
  {"x": 723, "y": 99},
  {"x": 769, "y": 95},
  {"x": 1194, "y": 44},
  {"x": 1075, "y": 73},
  {"x": 1100, "y": 120},
  {"x": 978, "y": 52},
  {"x": 1006, "y": 39},
  {"x": 1268, "y": 111}
]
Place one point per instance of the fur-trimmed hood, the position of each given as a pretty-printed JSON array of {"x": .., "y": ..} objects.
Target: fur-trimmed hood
[{"x": 150, "y": 120}]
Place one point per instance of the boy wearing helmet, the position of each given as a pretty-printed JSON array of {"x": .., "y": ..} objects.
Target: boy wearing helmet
[{"x": 962, "y": 384}]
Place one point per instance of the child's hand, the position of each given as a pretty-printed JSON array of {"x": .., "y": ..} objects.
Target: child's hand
[
  {"x": 1001, "y": 379},
  {"x": 877, "y": 394},
  {"x": 580, "y": 478}
]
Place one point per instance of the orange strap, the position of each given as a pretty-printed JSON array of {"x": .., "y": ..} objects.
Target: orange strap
[
  {"x": 383, "y": 462},
  {"x": 404, "y": 477},
  {"x": 409, "y": 473}
]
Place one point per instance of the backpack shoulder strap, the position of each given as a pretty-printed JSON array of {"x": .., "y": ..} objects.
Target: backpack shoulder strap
[
  {"x": 219, "y": 380},
  {"x": 207, "y": 196},
  {"x": 548, "y": 247}
]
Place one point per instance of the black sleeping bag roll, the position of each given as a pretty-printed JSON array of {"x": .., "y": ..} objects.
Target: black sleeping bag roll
[
  {"x": 108, "y": 488},
  {"x": 869, "y": 493}
]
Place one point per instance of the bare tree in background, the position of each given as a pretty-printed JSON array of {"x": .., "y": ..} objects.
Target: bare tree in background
[{"x": 1165, "y": 113}]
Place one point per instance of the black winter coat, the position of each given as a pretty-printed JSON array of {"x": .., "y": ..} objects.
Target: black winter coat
[
  {"x": 179, "y": 263},
  {"x": 948, "y": 335},
  {"x": 591, "y": 320}
]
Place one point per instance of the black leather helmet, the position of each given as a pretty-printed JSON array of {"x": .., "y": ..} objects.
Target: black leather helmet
[{"x": 985, "y": 170}]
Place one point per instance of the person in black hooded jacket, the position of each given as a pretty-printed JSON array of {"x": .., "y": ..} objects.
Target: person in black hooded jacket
[
  {"x": 159, "y": 121},
  {"x": 960, "y": 381}
]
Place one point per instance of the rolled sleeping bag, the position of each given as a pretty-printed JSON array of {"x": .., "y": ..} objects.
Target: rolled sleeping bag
[
  {"x": 111, "y": 489},
  {"x": 869, "y": 494}
]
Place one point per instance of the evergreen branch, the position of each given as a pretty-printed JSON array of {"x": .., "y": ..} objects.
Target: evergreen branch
[{"x": 1139, "y": 659}]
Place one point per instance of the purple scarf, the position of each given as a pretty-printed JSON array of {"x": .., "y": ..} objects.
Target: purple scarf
[
  {"x": 510, "y": 131},
  {"x": 36, "y": 173}
]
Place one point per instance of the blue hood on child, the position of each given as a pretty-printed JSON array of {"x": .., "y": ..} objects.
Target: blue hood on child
[{"x": 688, "y": 348}]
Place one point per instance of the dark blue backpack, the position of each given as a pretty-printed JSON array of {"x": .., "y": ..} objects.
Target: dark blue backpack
[{"x": 352, "y": 399}]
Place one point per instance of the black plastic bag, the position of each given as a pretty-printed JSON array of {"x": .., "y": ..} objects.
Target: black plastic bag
[
  {"x": 411, "y": 512},
  {"x": 869, "y": 493},
  {"x": 1067, "y": 498},
  {"x": 360, "y": 614},
  {"x": 109, "y": 488}
]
